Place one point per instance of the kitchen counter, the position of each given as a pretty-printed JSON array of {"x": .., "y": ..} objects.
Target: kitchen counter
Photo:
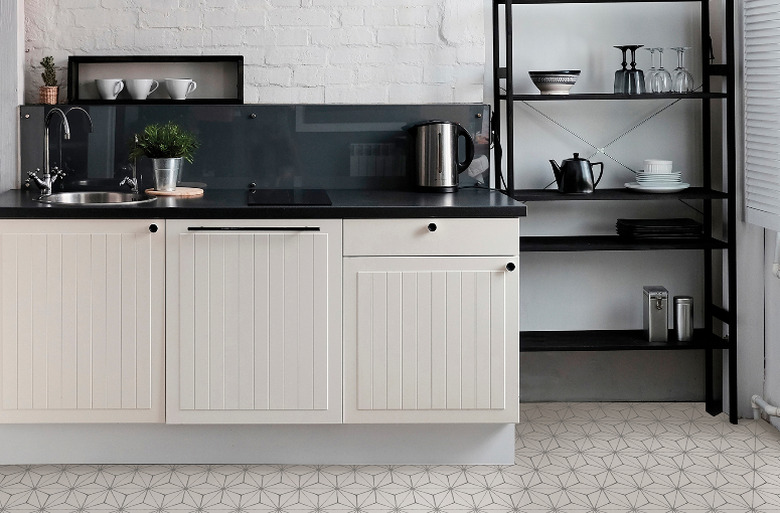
[{"x": 232, "y": 204}]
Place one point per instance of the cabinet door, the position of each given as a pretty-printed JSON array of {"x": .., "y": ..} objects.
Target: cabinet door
[
  {"x": 430, "y": 339},
  {"x": 254, "y": 321},
  {"x": 81, "y": 330}
]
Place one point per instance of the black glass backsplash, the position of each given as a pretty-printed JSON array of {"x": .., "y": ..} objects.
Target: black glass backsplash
[{"x": 281, "y": 146}]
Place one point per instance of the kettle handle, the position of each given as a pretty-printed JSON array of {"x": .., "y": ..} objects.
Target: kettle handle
[
  {"x": 601, "y": 164},
  {"x": 462, "y": 166}
]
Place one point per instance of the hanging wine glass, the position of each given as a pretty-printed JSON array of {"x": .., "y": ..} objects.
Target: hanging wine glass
[
  {"x": 636, "y": 78},
  {"x": 662, "y": 80},
  {"x": 650, "y": 72},
  {"x": 682, "y": 80},
  {"x": 621, "y": 75}
]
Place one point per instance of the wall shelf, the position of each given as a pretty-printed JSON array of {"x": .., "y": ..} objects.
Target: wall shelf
[
  {"x": 612, "y": 340},
  {"x": 615, "y": 243},
  {"x": 623, "y": 194},
  {"x": 219, "y": 78},
  {"x": 613, "y": 96}
]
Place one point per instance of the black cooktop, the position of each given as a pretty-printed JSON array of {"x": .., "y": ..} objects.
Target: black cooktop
[{"x": 269, "y": 197}]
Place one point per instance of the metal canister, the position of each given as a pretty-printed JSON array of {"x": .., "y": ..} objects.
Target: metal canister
[
  {"x": 656, "y": 313},
  {"x": 683, "y": 317}
]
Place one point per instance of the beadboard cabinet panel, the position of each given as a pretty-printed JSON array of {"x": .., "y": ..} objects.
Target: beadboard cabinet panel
[
  {"x": 81, "y": 330},
  {"x": 254, "y": 321},
  {"x": 430, "y": 339}
]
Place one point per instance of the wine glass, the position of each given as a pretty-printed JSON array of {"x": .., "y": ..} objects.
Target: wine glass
[
  {"x": 652, "y": 71},
  {"x": 636, "y": 78},
  {"x": 682, "y": 80},
  {"x": 662, "y": 80},
  {"x": 621, "y": 75}
]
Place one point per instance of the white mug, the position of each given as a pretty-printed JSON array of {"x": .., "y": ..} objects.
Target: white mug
[
  {"x": 109, "y": 88},
  {"x": 140, "y": 88},
  {"x": 179, "y": 88}
]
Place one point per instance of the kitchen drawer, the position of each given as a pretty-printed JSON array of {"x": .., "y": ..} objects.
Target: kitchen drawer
[{"x": 428, "y": 236}]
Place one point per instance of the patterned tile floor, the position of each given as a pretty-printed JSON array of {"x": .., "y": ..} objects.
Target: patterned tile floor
[{"x": 570, "y": 457}]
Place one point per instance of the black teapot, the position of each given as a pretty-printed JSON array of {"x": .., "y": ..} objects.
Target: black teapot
[{"x": 575, "y": 175}]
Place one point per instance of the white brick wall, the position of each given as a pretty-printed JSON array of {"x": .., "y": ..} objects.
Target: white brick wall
[{"x": 298, "y": 51}]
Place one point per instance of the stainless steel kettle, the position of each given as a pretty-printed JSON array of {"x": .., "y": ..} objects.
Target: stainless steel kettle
[{"x": 435, "y": 164}]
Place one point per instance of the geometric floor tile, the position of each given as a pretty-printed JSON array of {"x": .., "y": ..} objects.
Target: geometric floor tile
[{"x": 569, "y": 457}]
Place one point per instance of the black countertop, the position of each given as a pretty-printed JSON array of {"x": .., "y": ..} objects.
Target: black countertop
[{"x": 232, "y": 204}]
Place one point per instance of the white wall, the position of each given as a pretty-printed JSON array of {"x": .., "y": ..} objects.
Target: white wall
[
  {"x": 757, "y": 336},
  {"x": 296, "y": 51},
  {"x": 11, "y": 16},
  {"x": 772, "y": 325}
]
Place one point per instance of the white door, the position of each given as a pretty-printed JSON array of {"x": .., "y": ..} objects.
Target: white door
[
  {"x": 81, "y": 330},
  {"x": 254, "y": 321},
  {"x": 430, "y": 339}
]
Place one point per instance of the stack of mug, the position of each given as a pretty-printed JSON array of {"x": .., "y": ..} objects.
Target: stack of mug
[{"x": 141, "y": 88}]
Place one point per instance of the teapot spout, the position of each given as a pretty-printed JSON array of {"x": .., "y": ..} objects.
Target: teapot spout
[{"x": 557, "y": 171}]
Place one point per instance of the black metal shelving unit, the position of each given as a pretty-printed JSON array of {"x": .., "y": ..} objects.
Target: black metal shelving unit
[{"x": 706, "y": 338}]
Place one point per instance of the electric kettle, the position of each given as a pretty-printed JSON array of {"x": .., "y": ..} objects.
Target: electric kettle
[{"x": 435, "y": 162}]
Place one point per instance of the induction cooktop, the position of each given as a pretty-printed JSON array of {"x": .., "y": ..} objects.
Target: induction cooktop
[{"x": 270, "y": 197}]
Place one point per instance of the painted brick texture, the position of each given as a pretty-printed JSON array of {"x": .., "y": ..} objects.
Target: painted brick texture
[{"x": 295, "y": 51}]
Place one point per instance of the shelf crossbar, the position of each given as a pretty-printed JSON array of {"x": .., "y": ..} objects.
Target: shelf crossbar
[
  {"x": 612, "y": 96},
  {"x": 615, "y": 243},
  {"x": 613, "y": 340},
  {"x": 622, "y": 194}
]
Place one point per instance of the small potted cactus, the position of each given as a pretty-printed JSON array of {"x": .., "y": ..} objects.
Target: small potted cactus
[{"x": 49, "y": 91}]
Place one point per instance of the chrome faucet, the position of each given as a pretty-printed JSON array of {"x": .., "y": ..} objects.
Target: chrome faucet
[
  {"x": 132, "y": 182},
  {"x": 50, "y": 175}
]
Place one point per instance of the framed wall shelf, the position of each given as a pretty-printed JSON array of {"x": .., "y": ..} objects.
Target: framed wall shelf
[{"x": 219, "y": 78}]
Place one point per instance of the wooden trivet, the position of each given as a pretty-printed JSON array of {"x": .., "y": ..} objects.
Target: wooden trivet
[{"x": 185, "y": 192}]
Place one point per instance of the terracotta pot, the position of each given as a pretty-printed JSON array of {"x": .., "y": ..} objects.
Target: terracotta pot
[{"x": 49, "y": 94}]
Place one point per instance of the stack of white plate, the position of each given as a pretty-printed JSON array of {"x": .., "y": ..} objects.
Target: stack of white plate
[{"x": 658, "y": 182}]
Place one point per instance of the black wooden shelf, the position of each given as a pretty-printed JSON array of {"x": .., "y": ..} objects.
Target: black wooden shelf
[
  {"x": 206, "y": 69},
  {"x": 612, "y": 96},
  {"x": 160, "y": 101},
  {"x": 691, "y": 193},
  {"x": 612, "y": 340},
  {"x": 614, "y": 243},
  {"x": 533, "y": 2}
]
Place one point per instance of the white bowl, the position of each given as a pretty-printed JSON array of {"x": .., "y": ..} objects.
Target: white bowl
[
  {"x": 555, "y": 81},
  {"x": 658, "y": 166}
]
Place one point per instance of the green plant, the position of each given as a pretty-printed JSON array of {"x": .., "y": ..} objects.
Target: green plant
[
  {"x": 164, "y": 142},
  {"x": 49, "y": 74}
]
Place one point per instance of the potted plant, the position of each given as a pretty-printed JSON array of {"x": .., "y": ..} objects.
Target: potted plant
[
  {"x": 49, "y": 91},
  {"x": 167, "y": 146}
]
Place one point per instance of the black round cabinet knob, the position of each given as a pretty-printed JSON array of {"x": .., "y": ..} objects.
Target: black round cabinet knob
[
  {"x": 432, "y": 227},
  {"x": 153, "y": 228},
  {"x": 510, "y": 266}
]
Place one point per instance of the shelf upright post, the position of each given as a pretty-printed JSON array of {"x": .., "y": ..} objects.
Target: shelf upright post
[
  {"x": 731, "y": 163},
  {"x": 709, "y": 381},
  {"x": 510, "y": 129},
  {"x": 496, "y": 121}
]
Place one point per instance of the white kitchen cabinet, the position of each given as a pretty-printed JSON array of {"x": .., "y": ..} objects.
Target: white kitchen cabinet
[
  {"x": 253, "y": 321},
  {"x": 81, "y": 324},
  {"x": 428, "y": 336}
]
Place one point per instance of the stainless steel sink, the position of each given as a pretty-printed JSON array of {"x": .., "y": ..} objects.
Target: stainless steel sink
[{"x": 95, "y": 198}]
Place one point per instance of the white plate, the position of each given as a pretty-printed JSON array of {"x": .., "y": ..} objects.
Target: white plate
[
  {"x": 658, "y": 175},
  {"x": 665, "y": 180},
  {"x": 657, "y": 188}
]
